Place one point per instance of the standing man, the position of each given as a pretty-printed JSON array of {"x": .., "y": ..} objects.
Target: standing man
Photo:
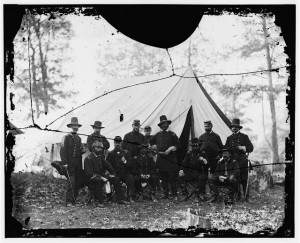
[
  {"x": 124, "y": 166},
  {"x": 148, "y": 136},
  {"x": 166, "y": 143},
  {"x": 239, "y": 144},
  {"x": 210, "y": 146},
  {"x": 94, "y": 167},
  {"x": 133, "y": 139},
  {"x": 96, "y": 136},
  {"x": 193, "y": 169},
  {"x": 71, "y": 155}
]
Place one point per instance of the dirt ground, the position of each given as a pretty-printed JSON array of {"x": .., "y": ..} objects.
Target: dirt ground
[{"x": 42, "y": 199}]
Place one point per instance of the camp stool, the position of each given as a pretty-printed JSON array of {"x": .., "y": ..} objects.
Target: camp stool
[{"x": 146, "y": 189}]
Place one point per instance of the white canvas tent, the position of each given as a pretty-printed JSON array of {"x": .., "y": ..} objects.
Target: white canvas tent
[{"x": 181, "y": 98}]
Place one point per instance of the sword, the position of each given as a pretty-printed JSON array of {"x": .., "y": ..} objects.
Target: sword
[{"x": 70, "y": 183}]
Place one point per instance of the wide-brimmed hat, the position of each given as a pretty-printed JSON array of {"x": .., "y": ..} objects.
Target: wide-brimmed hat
[
  {"x": 236, "y": 122},
  {"x": 141, "y": 146},
  {"x": 118, "y": 139},
  {"x": 163, "y": 119},
  {"x": 136, "y": 122},
  {"x": 97, "y": 144},
  {"x": 97, "y": 124},
  {"x": 74, "y": 121},
  {"x": 194, "y": 142}
]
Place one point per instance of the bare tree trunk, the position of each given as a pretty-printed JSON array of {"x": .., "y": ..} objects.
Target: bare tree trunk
[
  {"x": 275, "y": 155},
  {"x": 189, "y": 53},
  {"x": 33, "y": 69},
  {"x": 234, "y": 111},
  {"x": 43, "y": 65}
]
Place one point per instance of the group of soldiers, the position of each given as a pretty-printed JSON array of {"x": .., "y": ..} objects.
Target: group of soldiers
[{"x": 144, "y": 158}]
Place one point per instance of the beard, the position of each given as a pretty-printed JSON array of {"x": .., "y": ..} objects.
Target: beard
[{"x": 208, "y": 129}]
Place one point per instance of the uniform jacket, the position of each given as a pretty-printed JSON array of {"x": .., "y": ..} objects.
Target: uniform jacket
[
  {"x": 70, "y": 147},
  {"x": 145, "y": 165},
  {"x": 96, "y": 136},
  {"x": 94, "y": 164},
  {"x": 239, "y": 139},
  {"x": 148, "y": 138},
  {"x": 231, "y": 167},
  {"x": 114, "y": 158},
  {"x": 210, "y": 144},
  {"x": 163, "y": 141},
  {"x": 192, "y": 165},
  {"x": 131, "y": 142}
]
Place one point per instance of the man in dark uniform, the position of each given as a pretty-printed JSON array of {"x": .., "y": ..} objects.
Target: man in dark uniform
[
  {"x": 227, "y": 173},
  {"x": 166, "y": 143},
  {"x": 239, "y": 144},
  {"x": 210, "y": 145},
  {"x": 133, "y": 139},
  {"x": 193, "y": 169},
  {"x": 96, "y": 136},
  {"x": 71, "y": 156},
  {"x": 146, "y": 171},
  {"x": 124, "y": 166},
  {"x": 148, "y": 135},
  {"x": 94, "y": 167}
]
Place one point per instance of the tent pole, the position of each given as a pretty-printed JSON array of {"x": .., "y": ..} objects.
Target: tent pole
[
  {"x": 192, "y": 123},
  {"x": 52, "y": 153}
]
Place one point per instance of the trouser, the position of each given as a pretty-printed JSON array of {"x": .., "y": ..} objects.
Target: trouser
[
  {"x": 130, "y": 181},
  {"x": 231, "y": 182},
  {"x": 75, "y": 179},
  {"x": 243, "y": 165},
  {"x": 212, "y": 162},
  {"x": 198, "y": 180},
  {"x": 96, "y": 187},
  {"x": 153, "y": 181},
  {"x": 169, "y": 177}
]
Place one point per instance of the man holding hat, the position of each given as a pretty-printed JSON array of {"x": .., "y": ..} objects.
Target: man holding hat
[
  {"x": 133, "y": 139},
  {"x": 96, "y": 136},
  {"x": 124, "y": 166},
  {"x": 166, "y": 143},
  {"x": 146, "y": 170},
  {"x": 71, "y": 155},
  {"x": 94, "y": 167},
  {"x": 193, "y": 169},
  {"x": 210, "y": 145},
  {"x": 227, "y": 173},
  {"x": 239, "y": 144}
]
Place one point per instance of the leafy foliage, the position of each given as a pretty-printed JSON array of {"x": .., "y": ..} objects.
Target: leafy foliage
[{"x": 43, "y": 45}]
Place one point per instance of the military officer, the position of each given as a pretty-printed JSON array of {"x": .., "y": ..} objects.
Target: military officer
[
  {"x": 210, "y": 145},
  {"x": 97, "y": 136},
  {"x": 166, "y": 143},
  {"x": 133, "y": 139},
  {"x": 239, "y": 145},
  {"x": 71, "y": 155}
]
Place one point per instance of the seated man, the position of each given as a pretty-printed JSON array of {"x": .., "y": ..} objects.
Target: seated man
[
  {"x": 227, "y": 173},
  {"x": 94, "y": 167},
  {"x": 193, "y": 169},
  {"x": 146, "y": 171},
  {"x": 124, "y": 166}
]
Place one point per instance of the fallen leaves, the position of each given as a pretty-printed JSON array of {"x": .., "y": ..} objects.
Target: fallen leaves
[{"x": 42, "y": 199}]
